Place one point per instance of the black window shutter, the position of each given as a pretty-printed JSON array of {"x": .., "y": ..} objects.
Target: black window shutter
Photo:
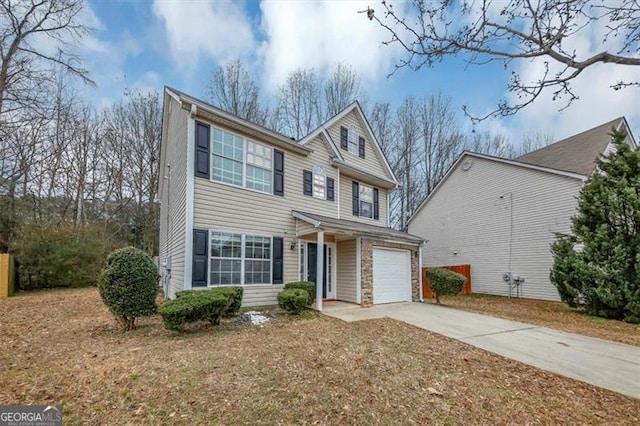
[
  {"x": 307, "y": 182},
  {"x": 278, "y": 173},
  {"x": 376, "y": 204},
  {"x": 278, "y": 252},
  {"x": 356, "y": 199},
  {"x": 202, "y": 150},
  {"x": 200, "y": 260},
  {"x": 330, "y": 184},
  {"x": 361, "y": 148},
  {"x": 344, "y": 138}
]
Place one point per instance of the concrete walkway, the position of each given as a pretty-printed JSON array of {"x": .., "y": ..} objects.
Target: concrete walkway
[{"x": 602, "y": 363}]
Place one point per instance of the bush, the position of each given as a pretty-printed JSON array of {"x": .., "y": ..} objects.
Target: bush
[
  {"x": 201, "y": 305},
  {"x": 59, "y": 256},
  {"x": 232, "y": 293},
  {"x": 128, "y": 285},
  {"x": 444, "y": 282},
  {"x": 308, "y": 286},
  {"x": 294, "y": 300}
]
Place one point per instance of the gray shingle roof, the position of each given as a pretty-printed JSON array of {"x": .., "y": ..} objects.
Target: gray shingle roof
[
  {"x": 577, "y": 153},
  {"x": 357, "y": 227}
]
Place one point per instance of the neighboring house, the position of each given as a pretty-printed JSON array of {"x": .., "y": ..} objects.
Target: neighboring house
[
  {"x": 500, "y": 216},
  {"x": 244, "y": 205}
]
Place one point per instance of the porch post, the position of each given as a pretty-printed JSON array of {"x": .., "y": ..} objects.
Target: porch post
[{"x": 319, "y": 269}]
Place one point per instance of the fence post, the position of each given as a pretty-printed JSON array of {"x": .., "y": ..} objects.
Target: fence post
[{"x": 7, "y": 275}]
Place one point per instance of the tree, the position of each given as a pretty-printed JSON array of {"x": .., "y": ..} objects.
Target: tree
[
  {"x": 599, "y": 265},
  {"x": 341, "y": 89},
  {"x": 299, "y": 103},
  {"x": 233, "y": 89},
  {"x": 516, "y": 30}
]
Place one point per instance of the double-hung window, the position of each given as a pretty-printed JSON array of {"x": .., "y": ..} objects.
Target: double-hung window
[
  {"x": 242, "y": 162},
  {"x": 238, "y": 259},
  {"x": 352, "y": 139},
  {"x": 366, "y": 201},
  {"x": 319, "y": 182}
]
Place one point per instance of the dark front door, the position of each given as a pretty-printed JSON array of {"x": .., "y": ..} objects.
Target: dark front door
[{"x": 312, "y": 266}]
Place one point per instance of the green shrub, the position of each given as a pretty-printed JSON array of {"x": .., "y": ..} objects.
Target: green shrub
[
  {"x": 294, "y": 300},
  {"x": 59, "y": 256},
  {"x": 233, "y": 293},
  {"x": 128, "y": 285},
  {"x": 308, "y": 286},
  {"x": 444, "y": 282}
]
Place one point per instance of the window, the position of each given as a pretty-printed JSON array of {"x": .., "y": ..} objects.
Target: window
[
  {"x": 366, "y": 201},
  {"x": 233, "y": 155},
  {"x": 258, "y": 167},
  {"x": 319, "y": 182},
  {"x": 352, "y": 140},
  {"x": 238, "y": 259}
]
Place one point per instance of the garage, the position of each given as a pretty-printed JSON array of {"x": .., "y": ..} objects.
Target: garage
[{"x": 391, "y": 275}]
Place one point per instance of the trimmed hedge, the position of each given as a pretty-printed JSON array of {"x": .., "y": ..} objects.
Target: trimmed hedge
[
  {"x": 235, "y": 293},
  {"x": 128, "y": 285},
  {"x": 308, "y": 286},
  {"x": 444, "y": 282},
  {"x": 294, "y": 300},
  {"x": 200, "y": 305}
]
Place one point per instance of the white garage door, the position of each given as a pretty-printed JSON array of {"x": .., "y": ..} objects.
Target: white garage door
[{"x": 391, "y": 275}]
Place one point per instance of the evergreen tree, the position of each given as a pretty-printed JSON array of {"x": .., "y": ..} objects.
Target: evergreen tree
[{"x": 599, "y": 265}]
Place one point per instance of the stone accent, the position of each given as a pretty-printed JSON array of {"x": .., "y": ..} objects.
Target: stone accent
[{"x": 366, "y": 275}]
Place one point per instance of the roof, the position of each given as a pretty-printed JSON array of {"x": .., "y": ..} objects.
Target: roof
[
  {"x": 320, "y": 221},
  {"x": 577, "y": 153},
  {"x": 230, "y": 118},
  {"x": 516, "y": 163}
]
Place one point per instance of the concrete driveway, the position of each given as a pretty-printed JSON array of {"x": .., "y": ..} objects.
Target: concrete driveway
[{"x": 602, "y": 363}]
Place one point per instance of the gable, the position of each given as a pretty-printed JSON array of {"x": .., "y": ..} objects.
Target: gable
[{"x": 373, "y": 162}]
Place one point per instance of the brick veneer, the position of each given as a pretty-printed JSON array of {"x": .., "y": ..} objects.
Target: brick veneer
[{"x": 367, "y": 246}]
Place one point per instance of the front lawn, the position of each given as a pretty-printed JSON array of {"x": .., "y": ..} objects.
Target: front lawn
[
  {"x": 548, "y": 314},
  {"x": 62, "y": 347}
]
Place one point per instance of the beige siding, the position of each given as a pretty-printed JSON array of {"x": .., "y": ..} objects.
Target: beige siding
[
  {"x": 173, "y": 194},
  {"x": 372, "y": 161},
  {"x": 346, "y": 202},
  {"x": 224, "y": 207},
  {"x": 346, "y": 274},
  {"x": 470, "y": 214}
]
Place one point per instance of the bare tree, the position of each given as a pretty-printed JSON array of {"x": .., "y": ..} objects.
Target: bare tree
[
  {"x": 299, "y": 103},
  {"x": 341, "y": 89},
  {"x": 233, "y": 89},
  {"x": 515, "y": 30},
  {"x": 27, "y": 69},
  {"x": 381, "y": 122},
  {"x": 494, "y": 144},
  {"x": 442, "y": 139}
]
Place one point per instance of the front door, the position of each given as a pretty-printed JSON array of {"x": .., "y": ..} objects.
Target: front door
[{"x": 328, "y": 284}]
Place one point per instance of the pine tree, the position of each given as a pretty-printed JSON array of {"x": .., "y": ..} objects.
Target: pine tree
[{"x": 599, "y": 265}]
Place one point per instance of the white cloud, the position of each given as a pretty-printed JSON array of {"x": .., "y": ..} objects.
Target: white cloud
[
  {"x": 217, "y": 29},
  {"x": 320, "y": 34}
]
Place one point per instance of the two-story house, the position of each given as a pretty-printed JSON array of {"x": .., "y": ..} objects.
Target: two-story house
[{"x": 244, "y": 205}]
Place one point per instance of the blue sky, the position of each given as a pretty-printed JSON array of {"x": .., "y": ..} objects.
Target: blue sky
[{"x": 149, "y": 44}]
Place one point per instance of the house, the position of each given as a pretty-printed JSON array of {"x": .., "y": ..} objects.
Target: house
[
  {"x": 500, "y": 215},
  {"x": 244, "y": 205}
]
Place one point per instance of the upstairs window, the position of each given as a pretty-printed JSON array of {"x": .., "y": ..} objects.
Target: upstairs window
[
  {"x": 259, "y": 167},
  {"x": 319, "y": 182},
  {"x": 352, "y": 139},
  {"x": 366, "y": 201}
]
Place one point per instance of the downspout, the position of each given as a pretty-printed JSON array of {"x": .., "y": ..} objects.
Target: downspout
[{"x": 420, "y": 271}]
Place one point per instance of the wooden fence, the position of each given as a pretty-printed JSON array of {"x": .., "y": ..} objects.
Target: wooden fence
[
  {"x": 461, "y": 269},
  {"x": 7, "y": 275}
]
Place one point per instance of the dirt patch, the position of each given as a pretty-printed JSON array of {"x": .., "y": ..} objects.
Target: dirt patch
[
  {"x": 63, "y": 347},
  {"x": 548, "y": 314}
]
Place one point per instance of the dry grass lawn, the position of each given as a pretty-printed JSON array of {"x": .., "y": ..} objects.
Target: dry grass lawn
[
  {"x": 548, "y": 314},
  {"x": 62, "y": 347}
]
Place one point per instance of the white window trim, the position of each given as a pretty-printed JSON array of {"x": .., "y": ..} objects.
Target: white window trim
[
  {"x": 242, "y": 259},
  {"x": 315, "y": 173},
  {"x": 360, "y": 187},
  {"x": 244, "y": 162},
  {"x": 352, "y": 130}
]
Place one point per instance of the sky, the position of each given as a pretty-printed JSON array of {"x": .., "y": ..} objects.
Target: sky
[{"x": 146, "y": 45}]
